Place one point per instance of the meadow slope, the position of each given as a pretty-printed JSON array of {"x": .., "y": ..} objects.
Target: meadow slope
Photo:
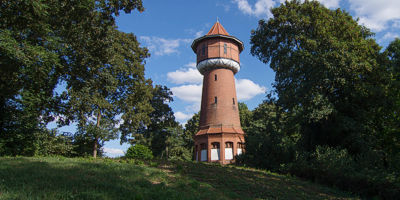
[{"x": 82, "y": 178}]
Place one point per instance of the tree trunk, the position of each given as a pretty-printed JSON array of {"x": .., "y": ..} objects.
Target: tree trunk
[{"x": 96, "y": 137}]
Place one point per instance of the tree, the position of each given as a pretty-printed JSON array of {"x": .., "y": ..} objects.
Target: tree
[
  {"x": 327, "y": 73},
  {"x": 391, "y": 133},
  {"x": 245, "y": 116},
  {"x": 270, "y": 141},
  {"x": 111, "y": 84},
  {"x": 162, "y": 119},
  {"x": 191, "y": 128},
  {"x": 37, "y": 52},
  {"x": 139, "y": 151}
]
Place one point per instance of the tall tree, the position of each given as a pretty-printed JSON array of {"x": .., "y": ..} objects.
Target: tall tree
[
  {"x": 111, "y": 85},
  {"x": 162, "y": 122},
  {"x": 191, "y": 128},
  {"x": 40, "y": 41},
  {"x": 391, "y": 133},
  {"x": 245, "y": 116},
  {"x": 327, "y": 73}
]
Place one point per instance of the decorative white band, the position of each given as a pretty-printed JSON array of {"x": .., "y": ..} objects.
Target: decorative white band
[{"x": 218, "y": 62}]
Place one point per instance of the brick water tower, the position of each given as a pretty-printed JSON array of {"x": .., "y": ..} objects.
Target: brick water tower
[{"x": 220, "y": 137}]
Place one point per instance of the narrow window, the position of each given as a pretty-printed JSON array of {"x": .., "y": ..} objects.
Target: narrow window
[
  {"x": 203, "y": 50},
  {"x": 215, "y": 100},
  {"x": 233, "y": 99},
  {"x": 215, "y": 77},
  {"x": 225, "y": 48}
]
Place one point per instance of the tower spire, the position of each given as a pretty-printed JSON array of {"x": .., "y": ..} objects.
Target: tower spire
[{"x": 217, "y": 29}]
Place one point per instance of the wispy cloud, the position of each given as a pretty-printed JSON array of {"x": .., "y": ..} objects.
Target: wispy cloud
[
  {"x": 390, "y": 36},
  {"x": 376, "y": 14},
  {"x": 224, "y": 5},
  {"x": 162, "y": 46},
  {"x": 330, "y": 3},
  {"x": 180, "y": 116},
  {"x": 188, "y": 93},
  {"x": 189, "y": 74},
  {"x": 247, "y": 89},
  {"x": 112, "y": 152},
  {"x": 260, "y": 9}
]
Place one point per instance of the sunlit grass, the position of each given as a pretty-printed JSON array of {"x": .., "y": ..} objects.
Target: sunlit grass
[{"x": 80, "y": 178}]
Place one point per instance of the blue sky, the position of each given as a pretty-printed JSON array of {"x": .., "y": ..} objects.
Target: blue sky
[{"x": 167, "y": 29}]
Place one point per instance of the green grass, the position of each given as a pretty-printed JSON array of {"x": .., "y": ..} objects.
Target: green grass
[{"x": 79, "y": 178}]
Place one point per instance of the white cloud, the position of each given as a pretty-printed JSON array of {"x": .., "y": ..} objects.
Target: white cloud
[
  {"x": 189, "y": 93},
  {"x": 112, "y": 152},
  {"x": 191, "y": 65},
  {"x": 396, "y": 24},
  {"x": 224, "y": 5},
  {"x": 180, "y": 116},
  {"x": 188, "y": 75},
  {"x": 390, "y": 36},
  {"x": 330, "y": 3},
  {"x": 198, "y": 34},
  {"x": 260, "y": 9},
  {"x": 376, "y": 14},
  {"x": 161, "y": 46},
  {"x": 247, "y": 89},
  {"x": 194, "y": 107}
]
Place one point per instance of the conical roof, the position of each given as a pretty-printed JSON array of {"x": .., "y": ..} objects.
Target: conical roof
[{"x": 217, "y": 29}]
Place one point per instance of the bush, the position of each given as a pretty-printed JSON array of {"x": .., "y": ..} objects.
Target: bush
[
  {"x": 335, "y": 166},
  {"x": 139, "y": 151}
]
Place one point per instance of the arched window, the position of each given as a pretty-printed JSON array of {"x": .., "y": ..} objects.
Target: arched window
[
  {"x": 215, "y": 151},
  {"x": 240, "y": 147},
  {"x": 228, "y": 150},
  {"x": 225, "y": 48},
  {"x": 203, "y": 50},
  {"x": 203, "y": 152}
]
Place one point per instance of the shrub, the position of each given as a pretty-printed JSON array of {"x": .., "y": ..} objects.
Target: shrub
[
  {"x": 336, "y": 167},
  {"x": 139, "y": 151}
]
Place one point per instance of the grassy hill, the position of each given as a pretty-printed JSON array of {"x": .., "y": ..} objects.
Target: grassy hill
[{"x": 79, "y": 178}]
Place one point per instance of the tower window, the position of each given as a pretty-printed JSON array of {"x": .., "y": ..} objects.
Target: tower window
[
  {"x": 215, "y": 77},
  {"x": 225, "y": 48},
  {"x": 228, "y": 144},
  {"x": 215, "y": 100},
  {"x": 233, "y": 100},
  {"x": 203, "y": 50}
]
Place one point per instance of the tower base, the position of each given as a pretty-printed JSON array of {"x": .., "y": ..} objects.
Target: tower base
[{"x": 218, "y": 144}]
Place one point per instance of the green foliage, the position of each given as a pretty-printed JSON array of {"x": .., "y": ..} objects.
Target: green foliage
[
  {"x": 192, "y": 125},
  {"x": 336, "y": 117},
  {"x": 71, "y": 43},
  {"x": 327, "y": 73},
  {"x": 245, "y": 116},
  {"x": 164, "y": 136},
  {"x": 51, "y": 143},
  {"x": 191, "y": 128},
  {"x": 268, "y": 144},
  {"x": 337, "y": 167},
  {"x": 139, "y": 151},
  {"x": 176, "y": 145}
]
